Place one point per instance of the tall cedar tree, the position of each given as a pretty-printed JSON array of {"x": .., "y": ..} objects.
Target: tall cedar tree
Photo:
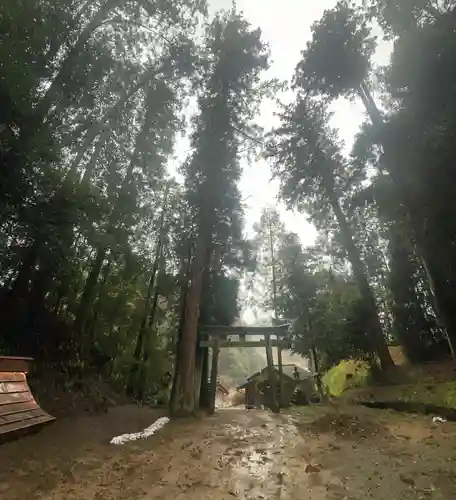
[
  {"x": 310, "y": 167},
  {"x": 234, "y": 59}
]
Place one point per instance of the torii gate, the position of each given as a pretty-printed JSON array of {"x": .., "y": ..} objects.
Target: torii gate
[{"x": 217, "y": 337}]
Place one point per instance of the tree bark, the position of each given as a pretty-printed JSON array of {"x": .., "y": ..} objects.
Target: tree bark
[
  {"x": 183, "y": 403},
  {"x": 204, "y": 388},
  {"x": 184, "y": 284}
]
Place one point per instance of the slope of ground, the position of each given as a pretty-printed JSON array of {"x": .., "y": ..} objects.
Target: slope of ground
[
  {"x": 428, "y": 384},
  {"x": 382, "y": 455},
  {"x": 312, "y": 454}
]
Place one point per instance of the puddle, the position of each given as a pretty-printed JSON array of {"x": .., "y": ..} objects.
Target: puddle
[
  {"x": 256, "y": 457},
  {"x": 255, "y": 464}
]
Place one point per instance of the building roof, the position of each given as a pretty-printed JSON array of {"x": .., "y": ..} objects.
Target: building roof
[
  {"x": 288, "y": 371},
  {"x": 222, "y": 389}
]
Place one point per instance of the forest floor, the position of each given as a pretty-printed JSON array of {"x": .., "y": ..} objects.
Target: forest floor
[{"x": 310, "y": 453}]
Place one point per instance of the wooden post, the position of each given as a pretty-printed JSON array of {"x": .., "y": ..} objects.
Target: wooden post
[
  {"x": 198, "y": 374},
  {"x": 281, "y": 388},
  {"x": 204, "y": 389},
  {"x": 271, "y": 375},
  {"x": 316, "y": 367},
  {"x": 214, "y": 369}
]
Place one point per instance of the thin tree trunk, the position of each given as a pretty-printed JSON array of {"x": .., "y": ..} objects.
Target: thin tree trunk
[
  {"x": 204, "y": 388},
  {"x": 41, "y": 284},
  {"x": 125, "y": 276},
  {"x": 15, "y": 303},
  {"x": 135, "y": 368},
  {"x": 441, "y": 314},
  {"x": 271, "y": 375},
  {"x": 92, "y": 163},
  {"x": 115, "y": 109},
  {"x": 87, "y": 295},
  {"x": 80, "y": 152},
  {"x": 375, "y": 327},
  {"x": 277, "y": 388},
  {"x": 21, "y": 284},
  {"x": 140, "y": 341},
  {"x": 147, "y": 342},
  {"x": 316, "y": 364},
  {"x": 214, "y": 376},
  {"x": 97, "y": 308},
  {"x": 89, "y": 290}
]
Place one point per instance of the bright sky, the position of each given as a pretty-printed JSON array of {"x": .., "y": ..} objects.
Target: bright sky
[{"x": 286, "y": 26}]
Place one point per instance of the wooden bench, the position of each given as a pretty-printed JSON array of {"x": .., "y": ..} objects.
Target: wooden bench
[{"x": 19, "y": 411}]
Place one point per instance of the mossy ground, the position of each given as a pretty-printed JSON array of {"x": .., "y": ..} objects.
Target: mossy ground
[{"x": 433, "y": 384}]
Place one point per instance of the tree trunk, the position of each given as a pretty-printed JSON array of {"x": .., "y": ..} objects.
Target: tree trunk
[
  {"x": 97, "y": 308},
  {"x": 183, "y": 402},
  {"x": 438, "y": 289},
  {"x": 21, "y": 284},
  {"x": 204, "y": 388},
  {"x": 147, "y": 320},
  {"x": 184, "y": 281},
  {"x": 15, "y": 303},
  {"x": 92, "y": 163},
  {"x": 280, "y": 386},
  {"x": 214, "y": 376},
  {"x": 375, "y": 327},
  {"x": 135, "y": 368},
  {"x": 316, "y": 368},
  {"x": 272, "y": 379},
  {"x": 88, "y": 293},
  {"x": 126, "y": 275},
  {"x": 41, "y": 285},
  {"x": 80, "y": 152}
]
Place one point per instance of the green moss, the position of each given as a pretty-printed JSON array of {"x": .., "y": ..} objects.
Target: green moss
[
  {"x": 422, "y": 391},
  {"x": 412, "y": 386},
  {"x": 347, "y": 374}
]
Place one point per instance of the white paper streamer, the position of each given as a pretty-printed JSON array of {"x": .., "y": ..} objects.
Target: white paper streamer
[{"x": 148, "y": 431}]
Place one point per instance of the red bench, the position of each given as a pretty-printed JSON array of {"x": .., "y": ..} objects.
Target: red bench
[{"x": 19, "y": 411}]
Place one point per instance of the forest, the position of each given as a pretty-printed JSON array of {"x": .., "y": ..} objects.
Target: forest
[{"x": 112, "y": 252}]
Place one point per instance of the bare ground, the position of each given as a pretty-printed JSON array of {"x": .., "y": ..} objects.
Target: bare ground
[{"x": 314, "y": 453}]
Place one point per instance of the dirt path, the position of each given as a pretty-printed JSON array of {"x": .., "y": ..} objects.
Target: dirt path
[{"x": 236, "y": 454}]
